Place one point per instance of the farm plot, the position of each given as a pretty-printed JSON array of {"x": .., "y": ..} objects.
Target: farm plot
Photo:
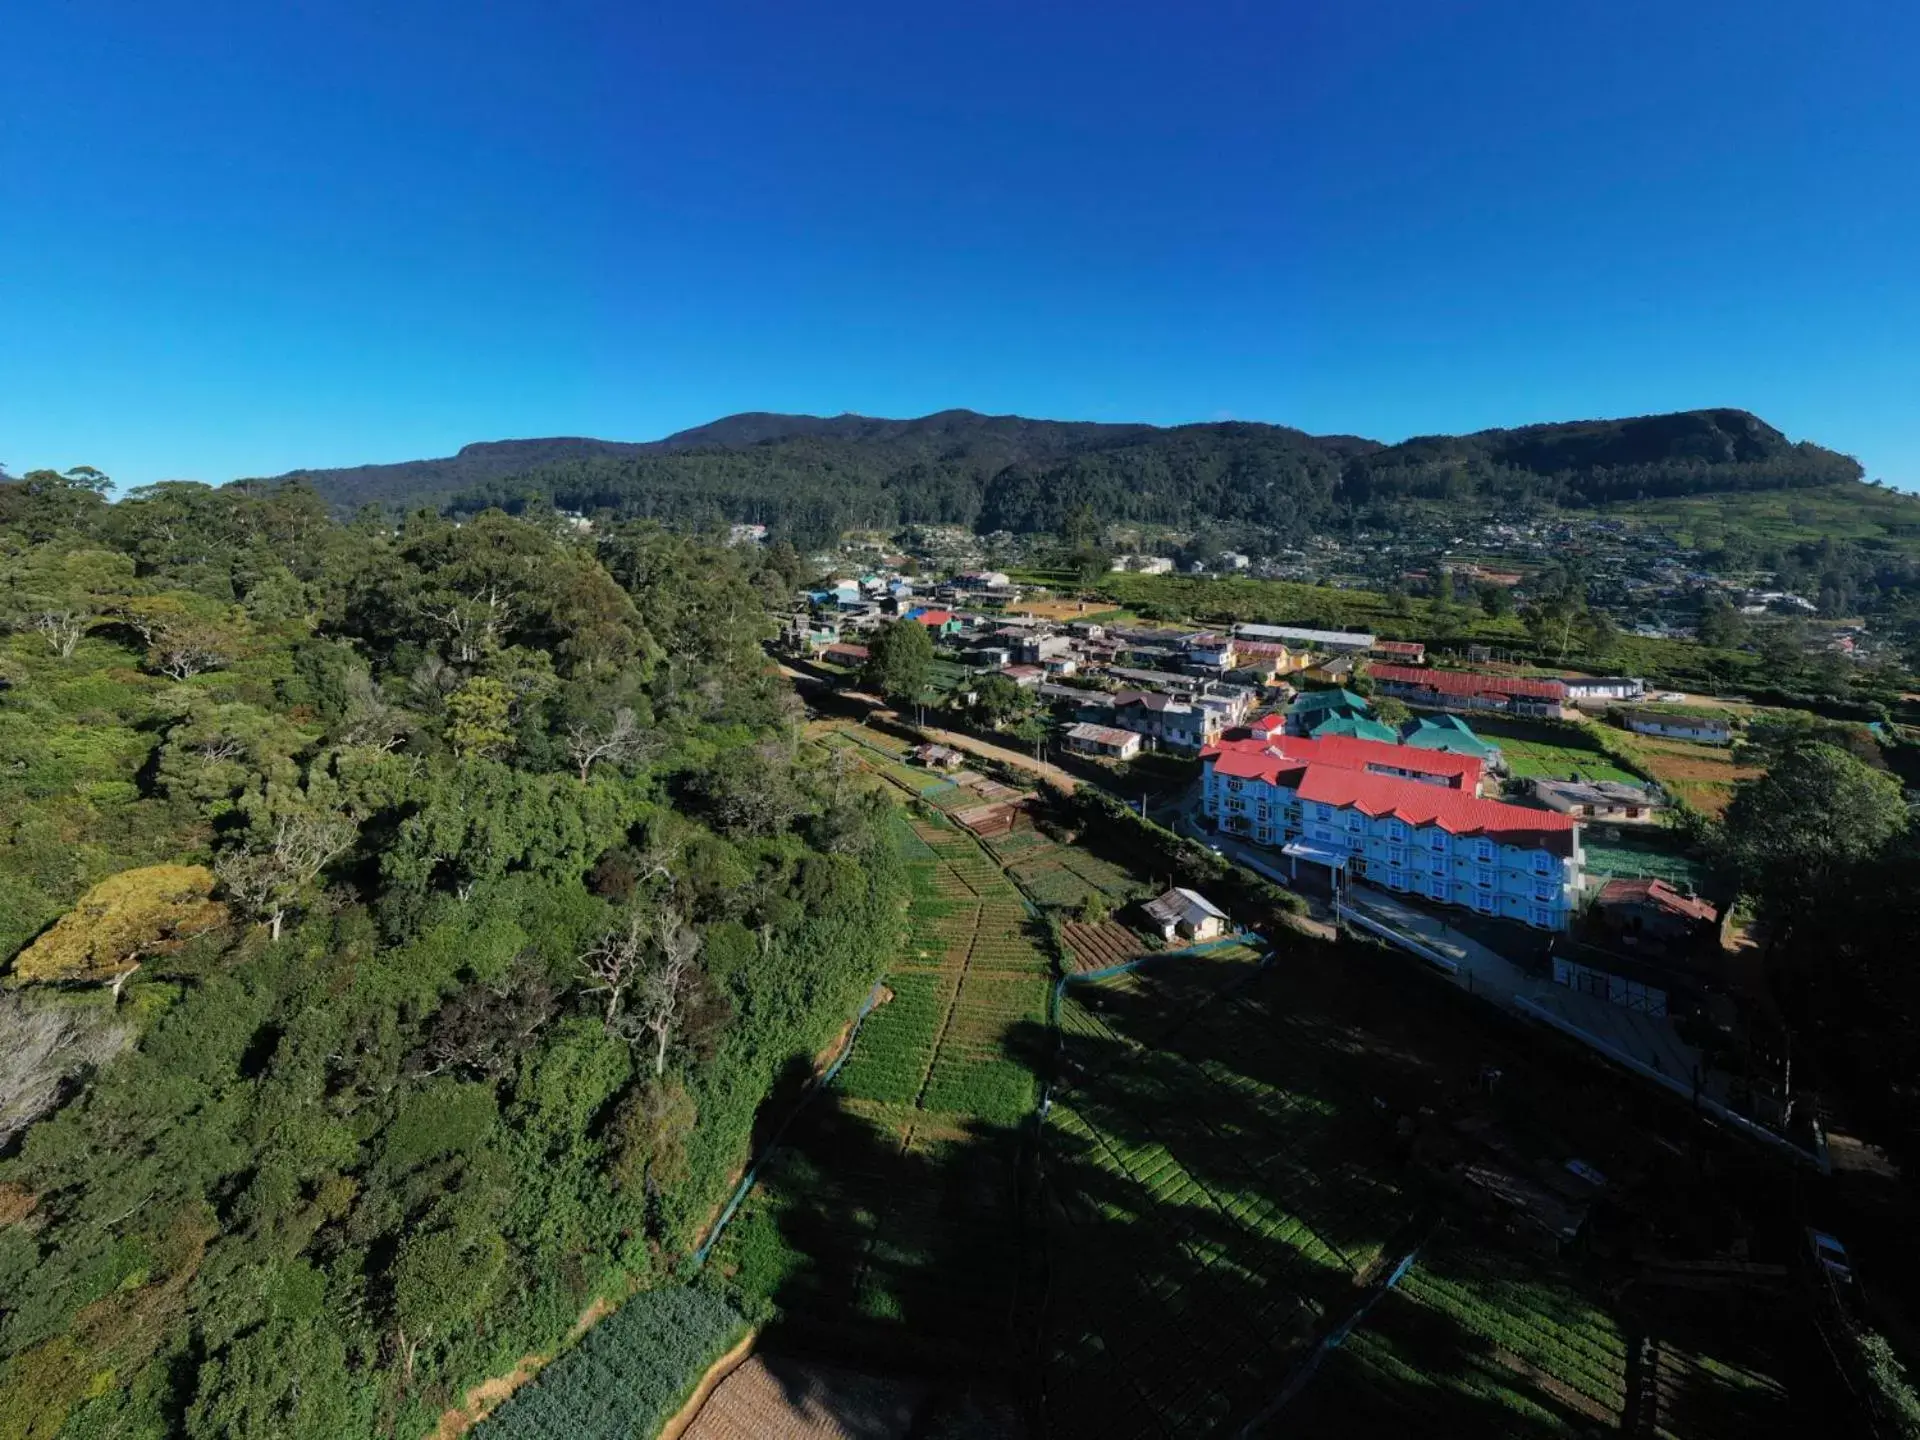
[
  {"x": 628, "y": 1374},
  {"x": 883, "y": 754},
  {"x": 1474, "y": 1342},
  {"x": 1702, "y": 775},
  {"x": 1064, "y": 875},
  {"x": 1529, "y": 759},
  {"x": 1218, "y": 1191},
  {"x": 891, "y": 1061},
  {"x": 1630, "y": 855},
  {"x": 1097, "y": 947},
  {"x": 889, "y": 1224}
]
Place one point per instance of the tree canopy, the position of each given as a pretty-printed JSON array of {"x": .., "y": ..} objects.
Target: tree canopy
[
  {"x": 348, "y": 815},
  {"x": 899, "y": 660}
]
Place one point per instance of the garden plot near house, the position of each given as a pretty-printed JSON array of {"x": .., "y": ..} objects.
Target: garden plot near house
[
  {"x": 1540, "y": 759},
  {"x": 1631, "y": 855},
  {"x": 1065, "y": 875},
  {"x": 883, "y": 754},
  {"x": 1098, "y": 947},
  {"x": 1701, "y": 775}
]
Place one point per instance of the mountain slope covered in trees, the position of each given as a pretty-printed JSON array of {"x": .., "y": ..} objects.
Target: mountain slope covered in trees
[
  {"x": 811, "y": 477},
  {"x": 399, "y": 930}
]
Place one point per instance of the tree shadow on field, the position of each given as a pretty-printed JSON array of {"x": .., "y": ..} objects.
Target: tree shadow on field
[
  {"x": 1229, "y": 1164},
  {"x": 1215, "y": 1139},
  {"x": 897, "y": 1256}
]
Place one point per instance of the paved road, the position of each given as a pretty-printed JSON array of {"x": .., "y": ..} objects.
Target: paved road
[{"x": 1647, "y": 1041}]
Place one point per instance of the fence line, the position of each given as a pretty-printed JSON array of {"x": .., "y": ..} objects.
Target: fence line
[
  {"x": 1388, "y": 933},
  {"x": 1332, "y": 1341},
  {"x": 820, "y": 1083}
]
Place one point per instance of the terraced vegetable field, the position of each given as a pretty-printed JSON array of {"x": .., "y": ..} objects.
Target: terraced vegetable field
[
  {"x": 1220, "y": 1187},
  {"x": 1527, "y": 759},
  {"x": 883, "y": 754},
  {"x": 1096, "y": 947},
  {"x": 1223, "y": 1185},
  {"x": 1224, "y": 1174},
  {"x": 1475, "y": 1343},
  {"x": 1702, "y": 775},
  {"x": 889, "y": 1220}
]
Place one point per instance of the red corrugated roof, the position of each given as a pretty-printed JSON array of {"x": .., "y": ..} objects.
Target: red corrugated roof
[
  {"x": 934, "y": 617},
  {"x": 1467, "y": 682},
  {"x": 1252, "y": 764},
  {"x": 1453, "y": 811},
  {"x": 1349, "y": 752},
  {"x": 1656, "y": 892}
]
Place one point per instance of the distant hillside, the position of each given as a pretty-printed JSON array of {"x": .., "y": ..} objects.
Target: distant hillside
[
  {"x": 811, "y": 476},
  {"x": 411, "y": 483}
]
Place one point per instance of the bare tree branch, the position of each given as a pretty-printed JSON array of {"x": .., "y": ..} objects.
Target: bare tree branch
[{"x": 622, "y": 740}]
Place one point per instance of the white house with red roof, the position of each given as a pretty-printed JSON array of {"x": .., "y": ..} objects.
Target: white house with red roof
[{"x": 1405, "y": 820}]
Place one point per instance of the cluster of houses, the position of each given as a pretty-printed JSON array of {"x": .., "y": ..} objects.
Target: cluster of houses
[
  {"x": 1135, "y": 688},
  {"x": 1315, "y": 773}
]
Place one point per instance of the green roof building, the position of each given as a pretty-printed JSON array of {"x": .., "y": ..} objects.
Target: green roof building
[
  {"x": 1309, "y": 701},
  {"x": 1360, "y": 727},
  {"x": 1449, "y": 733},
  {"x": 1314, "y": 708}
]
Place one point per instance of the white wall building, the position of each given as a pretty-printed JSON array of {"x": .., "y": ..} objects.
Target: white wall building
[
  {"x": 1172, "y": 724},
  {"x": 1588, "y": 688},
  {"x": 1680, "y": 727}
]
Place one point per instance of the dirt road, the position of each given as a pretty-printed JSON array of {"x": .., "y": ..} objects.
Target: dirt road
[{"x": 1047, "y": 774}]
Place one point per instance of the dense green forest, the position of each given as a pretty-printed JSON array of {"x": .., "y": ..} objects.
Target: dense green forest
[
  {"x": 402, "y": 926},
  {"x": 812, "y": 478}
]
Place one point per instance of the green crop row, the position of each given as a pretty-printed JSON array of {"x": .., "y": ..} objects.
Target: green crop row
[
  {"x": 1000, "y": 1092},
  {"x": 889, "y": 1060},
  {"x": 628, "y": 1374}
]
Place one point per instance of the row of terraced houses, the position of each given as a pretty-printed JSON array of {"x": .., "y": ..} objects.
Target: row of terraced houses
[{"x": 1402, "y": 819}]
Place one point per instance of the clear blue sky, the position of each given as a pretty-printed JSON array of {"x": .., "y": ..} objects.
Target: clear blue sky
[{"x": 240, "y": 237}]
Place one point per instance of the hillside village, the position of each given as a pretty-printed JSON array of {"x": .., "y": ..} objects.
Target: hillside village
[
  {"x": 1515, "y": 828},
  {"x": 1641, "y": 570}
]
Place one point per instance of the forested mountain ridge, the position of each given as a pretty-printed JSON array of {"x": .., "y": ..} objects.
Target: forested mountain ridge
[
  {"x": 811, "y": 477},
  {"x": 977, "y": 444},
  {"x": 399, "y": 930}
]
